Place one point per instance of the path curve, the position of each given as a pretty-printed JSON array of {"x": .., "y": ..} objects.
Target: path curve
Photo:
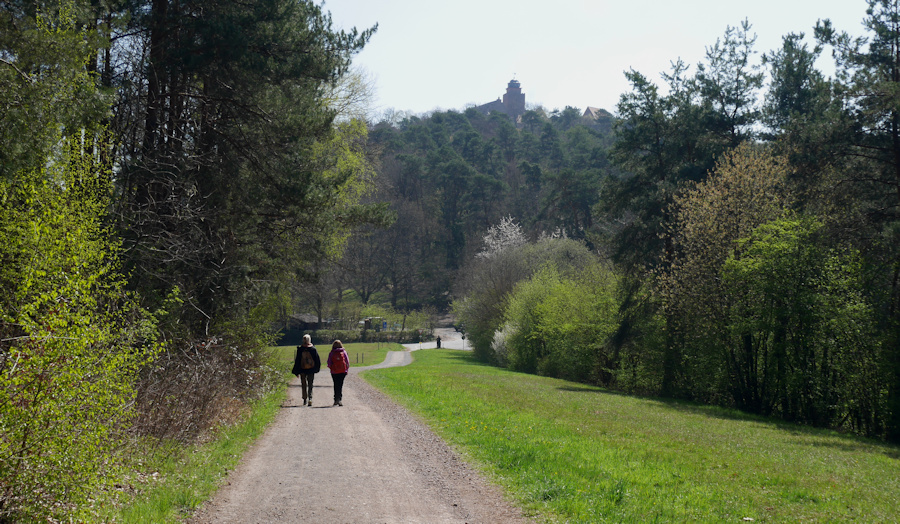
[{"x": 369, "y": 461}]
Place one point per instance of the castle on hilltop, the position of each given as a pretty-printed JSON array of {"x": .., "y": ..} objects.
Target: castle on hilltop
[{"x": 512, "y": 104}]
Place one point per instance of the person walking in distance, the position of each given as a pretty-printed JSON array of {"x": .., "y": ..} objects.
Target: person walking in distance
[
  {"x": 306, "y": 365},
  {"x": 338, "y": 363}
]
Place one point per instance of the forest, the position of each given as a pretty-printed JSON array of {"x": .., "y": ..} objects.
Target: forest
[{"x": 179, "y": 176}]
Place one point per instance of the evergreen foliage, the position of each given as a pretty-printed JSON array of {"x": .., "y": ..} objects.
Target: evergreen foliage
[
  {"x": 232, "y": 150},
  {"x": 156, "y": 156},
  {"x": 729, "y": 241},
  {"x": 45, "y": 89}
]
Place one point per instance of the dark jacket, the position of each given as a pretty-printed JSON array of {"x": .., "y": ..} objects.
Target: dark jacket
[{"x": 296, "y": 370}]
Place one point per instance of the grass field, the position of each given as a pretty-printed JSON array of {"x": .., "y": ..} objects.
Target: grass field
[
  {"x": 572, "y": 453},
  {"x": 360, "y": 354}
]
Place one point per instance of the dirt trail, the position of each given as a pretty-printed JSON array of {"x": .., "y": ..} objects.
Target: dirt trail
[{"x": 369, "y": 461}]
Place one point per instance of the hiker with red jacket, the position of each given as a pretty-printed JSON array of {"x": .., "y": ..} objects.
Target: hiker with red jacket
[
  {"x": 338, "y": 363},
  {"x": 306, "y": 365}
]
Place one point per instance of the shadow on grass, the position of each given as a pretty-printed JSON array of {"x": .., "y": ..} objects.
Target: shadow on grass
[
  {"x": 807, "y": 435},
  {"x": 836, "y": 439},
  {"x": 853, "y": 443},
  {"x": 465, "y": 357},
  {"x": 828, "y": 438},
  {"x": 598, "y": 390}
]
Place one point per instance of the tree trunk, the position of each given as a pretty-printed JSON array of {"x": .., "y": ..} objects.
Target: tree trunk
[{"x": 158, "y": 15}]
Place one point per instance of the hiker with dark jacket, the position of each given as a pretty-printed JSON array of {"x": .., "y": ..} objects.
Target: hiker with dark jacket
[
  {"x": 338, "y": 363},
  {"x": 306, "y": 365}
]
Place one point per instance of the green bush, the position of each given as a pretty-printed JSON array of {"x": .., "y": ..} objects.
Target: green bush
[
  {"x": 72, "y": 343},
  {"x": 558, "y": 325},
  {"x": 487, "y": 283}
]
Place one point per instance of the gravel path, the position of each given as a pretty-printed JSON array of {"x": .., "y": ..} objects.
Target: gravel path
[{"x": 369, "y": 461}]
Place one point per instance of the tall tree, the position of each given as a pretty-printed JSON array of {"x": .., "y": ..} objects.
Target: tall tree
[
  {"x": 746, "y": 190},
  {"x": 805, "y": 121},
  {"x": 800, "y": 330},
  {"x": 232, "y": 149},
  {"x": 43, "y": 60},
  {"x": 729, "y": 82},
  {"x": 868, "y": 79},
  {"x": 660, "y": 147},
  {"x": 795, "y": 88}
]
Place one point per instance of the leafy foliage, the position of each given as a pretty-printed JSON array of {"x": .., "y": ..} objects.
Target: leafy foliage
[
  {"x": 557, "y": 324},
  {"x": 239, "y": 166},
  {"x": 72, "y": 341},
  {"x": 868, "y": 78},
  {"x": 199, "y": 176},
  {"x": 746, "y": 190},
  {"x": 45, "y": 89},
  {"x": 235, "y": 147},
  {"x": 798, "y": 341},
  {"x": 449, "y": 176}
]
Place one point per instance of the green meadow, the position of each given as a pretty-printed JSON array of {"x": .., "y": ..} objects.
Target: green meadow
[
  {"x": 567, "y": 452},
  {"x": 359, "y": 353}
]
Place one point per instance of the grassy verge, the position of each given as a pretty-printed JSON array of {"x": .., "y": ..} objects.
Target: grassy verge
[
  {"x": 575, "y": 453},
  {"x": 180, "y": 478},
  {"x": 360, "y": 353}
]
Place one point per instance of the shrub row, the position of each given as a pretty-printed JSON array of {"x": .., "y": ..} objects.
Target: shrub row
[{"x": 327, "y": 336}]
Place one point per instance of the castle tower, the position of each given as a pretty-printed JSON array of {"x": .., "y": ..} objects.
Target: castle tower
[{"x": 514, "y": 99}]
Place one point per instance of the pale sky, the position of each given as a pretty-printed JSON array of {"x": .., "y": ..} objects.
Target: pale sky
[{"x": 429, "y": 55}]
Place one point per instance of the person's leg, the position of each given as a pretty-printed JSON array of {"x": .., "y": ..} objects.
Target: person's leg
[
  {"x": 309, "y": 380},
  {"x": 339, "y": 388},
  {"x": 303, "y": 379},
  {"x": 336, "y": 378}
]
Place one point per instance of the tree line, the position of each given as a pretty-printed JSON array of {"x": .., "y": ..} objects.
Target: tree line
[{"x": 742, "y": 217}]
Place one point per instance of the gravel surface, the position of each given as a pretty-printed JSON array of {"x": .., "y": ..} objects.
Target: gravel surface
[{"x": 369, "y": 461}]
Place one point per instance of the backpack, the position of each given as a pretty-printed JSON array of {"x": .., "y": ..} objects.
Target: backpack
[
  {"x": 306, "y": 359},
  {"x": 338, "y": 365}
]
